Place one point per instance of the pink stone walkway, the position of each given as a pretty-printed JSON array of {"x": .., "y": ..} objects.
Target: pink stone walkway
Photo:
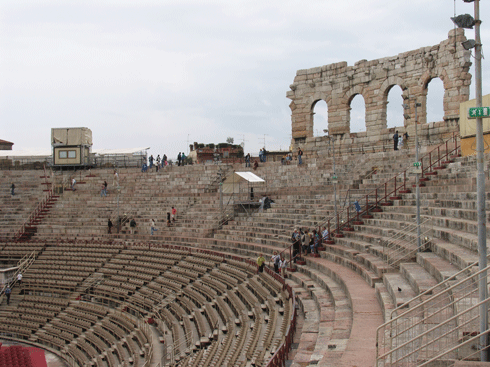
[{"x": 367, "y": 316}]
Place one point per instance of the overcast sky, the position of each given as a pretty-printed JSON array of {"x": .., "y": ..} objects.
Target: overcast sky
[{"x": 162, "y": 73}]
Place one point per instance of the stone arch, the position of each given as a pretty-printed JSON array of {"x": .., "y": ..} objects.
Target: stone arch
[
  {"x": 345, "y": 103},
  {"x": 313, "y": 113},
  {"x": 349, "y": 96},
  {"x": 384, "y": 90},
  {"x": 423, "y": 83}
]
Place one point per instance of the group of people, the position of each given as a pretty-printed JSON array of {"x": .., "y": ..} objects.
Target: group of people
[
  {"x": 171, "y": 218},
  {"x": 400, "y": 140},
  {"x": 279, "y": 262},
  {"x": 263, "y": 155},
  {"x": 163, "y": 161},
  {"x": 158, "y": 162},
  {"x": 132, "y": 224},
  {"x": 304, "y": 242},
  {"x": 255, "y": 164},
  {"x": 307, "y": 242}
]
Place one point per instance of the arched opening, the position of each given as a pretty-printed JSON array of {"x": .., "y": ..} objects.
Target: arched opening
[
  {"x": 357, "y": 115},
  {"x": 435, "y": 100},
  {"x": 394, "y": 108},
  {"x": 320, "y": 117}
]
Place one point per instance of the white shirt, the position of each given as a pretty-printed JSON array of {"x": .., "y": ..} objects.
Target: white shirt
[{"x": 19, "y": 276}]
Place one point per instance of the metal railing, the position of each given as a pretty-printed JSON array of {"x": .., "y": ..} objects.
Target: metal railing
[
  {"x": 441, "y": 324},
  {"x": 35, "y": 214},
  {"x": 390, "y": 190},
  {"x": 402, "y": 246}
]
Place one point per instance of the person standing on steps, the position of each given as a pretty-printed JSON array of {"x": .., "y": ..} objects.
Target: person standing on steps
[
  {"x": 115, "y": 180},
  {"x": 12, "y": 189},
  {"x": 132, "y": 225},
  {"x": 8, "y": 292},
  {"x": 109, "y": 226},
  {"x": 73, "y": 183},
  {"x": 247, "y": 160},
  {"x": 300, "y": 157},
  {"x": 19, "y": 278},
  {"x": 395, "y": 140},
  {"x": 153, "y": 227},
  {"x": 260, "y": 263},
  {"x": 405, "y": 140},
  {"x": 276, "y": 260},
  {"x": 174, "y": 214},
  {"x": 103, "y": 189}
]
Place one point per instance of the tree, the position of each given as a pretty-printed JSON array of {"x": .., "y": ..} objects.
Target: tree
[{"x": 230, "y": 140}]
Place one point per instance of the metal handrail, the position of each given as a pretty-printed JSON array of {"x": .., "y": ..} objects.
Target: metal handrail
[
  {"x": 396, "y": 241},
  {"x": 35, "y": 213},
  {"x": 427, "y": 298},
  {"x": 381, "y": 194}
]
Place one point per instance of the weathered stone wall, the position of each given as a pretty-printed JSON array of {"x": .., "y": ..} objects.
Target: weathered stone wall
[{"x": 337, "y": 84}]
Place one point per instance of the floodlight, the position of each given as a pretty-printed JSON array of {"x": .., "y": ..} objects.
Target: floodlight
[
  {"x": 464, "y": 21},
  {"x": 468, "y": 44},
  {"x": 405, "y": 106},
  {"x": 407, "y": 117}
]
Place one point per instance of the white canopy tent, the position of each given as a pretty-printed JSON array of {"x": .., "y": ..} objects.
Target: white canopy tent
[{"x": 235, "y": 183}]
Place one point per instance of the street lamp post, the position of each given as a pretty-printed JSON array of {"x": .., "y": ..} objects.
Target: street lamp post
[
  {"x": 466, "y": 21},
  {"x": 332, "y": 140},
  {"x": 417, "y": 183},
  {"x": 480, "y": 187}
]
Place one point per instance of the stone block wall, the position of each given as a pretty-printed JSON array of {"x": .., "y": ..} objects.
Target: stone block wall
[{"x": 337, "y": 84}]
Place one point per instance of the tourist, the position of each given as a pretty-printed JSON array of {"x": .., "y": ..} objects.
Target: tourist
[
  {"x": 261, "y": 155},
  {"x": 153, "y": 228},
  {"x": 247, "y": 160},
  {"x": 283, "y": 265},
  {"x": 179, "y": 158},
  {"x": 109, "y": 226},
  {"x": 316, "y": 242},
  {"x": 405, "y": 140},
  {"x": 103, "y": 191},
  {"x": 73, "y": 183},
  {"x": 300, "y": 155},
  {"x": 256, "y": 165},
  {"x": 115, "y": 180},
  {"x": 169, "y": 223},
  {"x": 8, "y": 291},
  {"x": 260, "y": 263},
  {"x": 305, "y": 240},
  {"x": 12, "y": 189},
  {"x": 151, "y": 161},
  {"x": 276, "y": 260},
  {"x": 132, "y": 225},
  {"x": 395, "y": 140},
  {"x": 19, "y": 278},
  {"x": 174, "y": 214},
  {"x": 324, "y": 234}
]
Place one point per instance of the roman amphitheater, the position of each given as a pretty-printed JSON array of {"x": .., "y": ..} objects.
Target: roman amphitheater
[{"x": 382, "y": 292}]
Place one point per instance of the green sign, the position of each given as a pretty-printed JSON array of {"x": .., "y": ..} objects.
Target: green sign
[
  {"x": 417, "y": 164},
  {"x": 475, "y": 112}
]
